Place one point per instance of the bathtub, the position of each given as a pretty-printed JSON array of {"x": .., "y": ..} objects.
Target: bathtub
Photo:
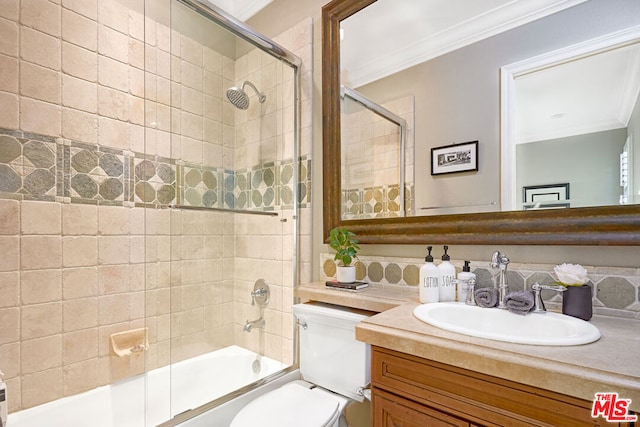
[{"x": 167, "y": 391}]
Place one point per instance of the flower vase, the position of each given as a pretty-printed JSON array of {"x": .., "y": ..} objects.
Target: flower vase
[{"x": 577, "y": 302}]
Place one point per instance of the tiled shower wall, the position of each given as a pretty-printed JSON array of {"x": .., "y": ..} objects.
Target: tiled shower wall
[
  {"x": 106, "y": 116},
  {"x": 616, "y": 291},
  {"x": 373, "y": 158}
]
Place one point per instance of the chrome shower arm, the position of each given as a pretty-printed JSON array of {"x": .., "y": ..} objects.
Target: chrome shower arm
[{"x": 261, "y": 96}]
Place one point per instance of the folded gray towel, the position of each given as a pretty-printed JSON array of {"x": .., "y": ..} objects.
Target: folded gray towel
[
  {"x": 519, "y": 302},
  {"x": 486, "y": 297}
]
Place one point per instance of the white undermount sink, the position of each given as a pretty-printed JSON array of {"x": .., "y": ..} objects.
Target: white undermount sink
[{"x": 501, "y": 325}]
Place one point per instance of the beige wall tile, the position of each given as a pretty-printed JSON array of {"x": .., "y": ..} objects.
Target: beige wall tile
[
  {"x": 113, "y": 250},
  {"x": 10, "y": 9},
  {"x": 79, "y": 282},
  {"x": 39, "y": 252},
  {"x": 10, "y": 250},
  {"x": 40, "y": 217},
  {"x": 8, "y": 37},
  {"x": 79, "y": 251},
  {"x": 113, "y": 133},
  {"x": 113, "y": 103},
  {"x": 80, "y": 314},
  {"x": 113, "y": 309},
  {"x": 79, "y": 30},
  {"x": 79, "y": 219},
  {"x": 136, "y": 110},
  {"x": 88, "y": 8},
  {"x": 113, "y": 44},
  {"x": 10, "y": 331},
  {"x": 40, "y": 117},
  {"x": 82, "y": 376},
  {"x": 41, "y": 320},
  {"x": 9, "y": 216},
  {"x": 9, "y": 73},
  {"x": 40, "y": 286},
  {"x": 9, "y": 106},
  {"x": 41, "y": 354},
  {"x": 40, "y": 48},
  {"x": 42, "y": 15},
  {"x": 113, "y": 74},
  {"x": 136, "y": 53},
  {"x": 79, "y": 126},
  {"x": 136, "y": 82},
  {"x": 113, "y": 220},
  {"x": 79, "y": 94},
  {"x": 136, "y": 25},
  {"x": 113, "y": 279},
  {"x": 79, "y": 62},
  {"x": 80, "y": 345},
  {"x": 41, "y": 387},
  {"x": 39, "y": 82},
  {"x": 114, "y": 15},
  {"x": 10, "y": 289}
]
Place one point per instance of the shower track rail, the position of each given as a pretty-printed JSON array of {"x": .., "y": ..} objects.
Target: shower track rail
[{"x": 204, "y": 208}]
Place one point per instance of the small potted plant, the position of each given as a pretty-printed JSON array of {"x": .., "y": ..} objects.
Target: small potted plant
[{"x": 346, "y": 246}]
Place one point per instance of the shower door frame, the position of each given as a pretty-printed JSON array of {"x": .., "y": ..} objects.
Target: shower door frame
[{"x": 246, "y": 33}]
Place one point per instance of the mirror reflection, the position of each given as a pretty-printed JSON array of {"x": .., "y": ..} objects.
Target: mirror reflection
[
  {"x": 574, "y": 123},
  {"x": 377, "y": 143},
  {"x": 448, "y": 56}
]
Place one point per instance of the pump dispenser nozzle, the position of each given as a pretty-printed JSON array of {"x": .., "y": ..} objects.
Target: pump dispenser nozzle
[
  {"x": 466, "y": 266},
  {"x": 446, "y": 256},
  {"x": 429, "y": 257}
]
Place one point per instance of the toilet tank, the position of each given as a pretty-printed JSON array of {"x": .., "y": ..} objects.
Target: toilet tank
[{"x": 330, "y": 356}]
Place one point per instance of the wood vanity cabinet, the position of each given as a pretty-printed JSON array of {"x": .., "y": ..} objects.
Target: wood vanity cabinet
[{"x": 409, "y": 391}]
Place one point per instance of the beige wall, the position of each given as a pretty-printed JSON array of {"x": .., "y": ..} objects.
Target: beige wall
[{"x": 287, "y": 11}]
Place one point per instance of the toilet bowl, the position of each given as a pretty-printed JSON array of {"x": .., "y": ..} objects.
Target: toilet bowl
[{"x": 334, "y": 369}]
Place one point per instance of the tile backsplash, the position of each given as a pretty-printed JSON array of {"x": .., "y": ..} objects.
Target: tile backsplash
[{"x": 615, "y": 290}]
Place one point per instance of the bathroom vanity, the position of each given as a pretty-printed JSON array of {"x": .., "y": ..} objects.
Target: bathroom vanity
[{"x": 422, "y": 375}]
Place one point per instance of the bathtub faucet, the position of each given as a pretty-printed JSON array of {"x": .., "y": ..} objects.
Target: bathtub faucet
[{"x": 258, "y": 324}]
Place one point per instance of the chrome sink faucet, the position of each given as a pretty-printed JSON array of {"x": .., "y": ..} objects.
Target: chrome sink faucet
[
  {"x": 538, "y": 303},
  {"x": 499, "y": 260}
]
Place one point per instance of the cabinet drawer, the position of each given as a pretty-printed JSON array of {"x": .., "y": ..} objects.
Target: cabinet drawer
[
  {"x": 394, "y": 411},
  {"x": 481, "y": 399}
]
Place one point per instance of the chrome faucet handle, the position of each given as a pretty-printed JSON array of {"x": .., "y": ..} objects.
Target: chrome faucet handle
[
  {"x": 538, "y": 303},
  {"x": 471, "y": 287}
]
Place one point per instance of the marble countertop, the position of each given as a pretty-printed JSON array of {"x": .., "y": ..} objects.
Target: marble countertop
[{"x": 610, "y": 364}]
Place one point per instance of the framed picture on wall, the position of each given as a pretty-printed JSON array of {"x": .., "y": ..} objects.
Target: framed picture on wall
[
  {"x": 461, "y": 157},
  {"x": 548, "y": 196}
]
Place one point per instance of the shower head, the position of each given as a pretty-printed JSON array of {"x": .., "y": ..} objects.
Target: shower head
[{"x": 239, "y": 98}]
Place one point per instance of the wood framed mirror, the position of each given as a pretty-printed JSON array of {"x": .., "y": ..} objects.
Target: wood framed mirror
[{"x": 608, "y": 225}]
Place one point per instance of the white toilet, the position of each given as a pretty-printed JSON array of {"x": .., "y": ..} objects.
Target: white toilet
[{"x": 333, "y": 365}]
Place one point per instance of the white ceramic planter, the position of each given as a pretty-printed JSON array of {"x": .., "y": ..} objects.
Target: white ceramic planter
[{"x": 346, "y": 274}]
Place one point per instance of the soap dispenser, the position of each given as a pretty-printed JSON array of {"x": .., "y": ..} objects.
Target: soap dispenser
[
  {"x": 463, "y": 281},
  {"x": 429, "y": 277},
  {"x": 447, "y": 273}
]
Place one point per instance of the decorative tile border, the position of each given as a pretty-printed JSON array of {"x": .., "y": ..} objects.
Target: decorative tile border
[
  {"x": 38, "y": 167},
  {"x": 375, "y": 202},
  {"x": 616, "y": 291}
]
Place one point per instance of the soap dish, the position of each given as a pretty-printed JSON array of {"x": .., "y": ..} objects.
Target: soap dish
[{"x": 129, "y": 342}]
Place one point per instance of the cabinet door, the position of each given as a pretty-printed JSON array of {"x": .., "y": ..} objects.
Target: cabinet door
[{"x": 393, "y": 411}]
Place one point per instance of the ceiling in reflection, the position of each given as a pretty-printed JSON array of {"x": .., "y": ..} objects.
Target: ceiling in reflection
[
  {"x": 593, "y": 94},
  {"x": 373, "y": 46}
]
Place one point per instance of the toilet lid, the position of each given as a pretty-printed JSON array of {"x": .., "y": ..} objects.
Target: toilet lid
[{"x": 291, "y": 405}]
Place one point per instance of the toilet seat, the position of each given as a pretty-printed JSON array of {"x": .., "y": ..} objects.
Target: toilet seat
[{"x": 292, "y": 405}]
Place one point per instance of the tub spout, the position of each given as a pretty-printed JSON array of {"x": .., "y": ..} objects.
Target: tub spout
[{"x": 257, "y": 324}]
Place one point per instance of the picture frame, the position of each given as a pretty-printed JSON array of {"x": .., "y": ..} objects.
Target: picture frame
[
  {"x": 454, "y": 158},
  {"x": 547, "y": 196}
]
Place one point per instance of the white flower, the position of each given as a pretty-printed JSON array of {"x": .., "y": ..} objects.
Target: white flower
[{"x": 571, "y": 274}]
